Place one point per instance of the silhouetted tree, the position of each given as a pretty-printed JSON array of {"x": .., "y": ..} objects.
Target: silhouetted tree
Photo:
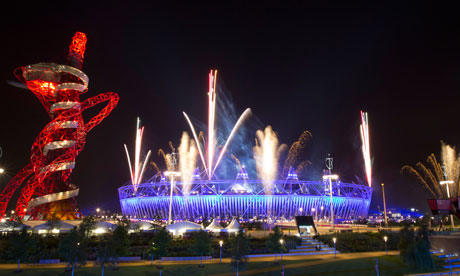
[
  {"x": 73, "y": 248},
  {"x": 118, "y": 243},
  {"x": 273, "y": 242},
  {"x": 87, "y": 225},
  {"x": 240, "y": 247},
  {"x": 201, "y": 244},
  {"x": 159, "y": 245},
  {"x": 21, "y": 246}
]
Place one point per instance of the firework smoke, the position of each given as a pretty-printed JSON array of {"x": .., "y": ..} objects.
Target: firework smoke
[{"x": 208, "y": 156}]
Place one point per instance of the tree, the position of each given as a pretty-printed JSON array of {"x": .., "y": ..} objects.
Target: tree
[
  {"x": 87, "y": 225},
  {"x": 417, "y": 254},
  {"x": 406, "y": 238},
  {"x": 20, "y": 246},
  {"x": 103, "y": 254},
  {"x": 118, "y": 244},
  {"x": 53, "y": 223},
  {"x": 273, "y": 242},
  {"x": 159, "y": 245},
  {"x": 240, "y": 247},
  {"x": 72, "y": 247},
  {"x": 201, "y": 244},
  {"x": 125, "y": 222}
]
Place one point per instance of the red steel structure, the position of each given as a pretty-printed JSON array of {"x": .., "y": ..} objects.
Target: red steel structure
[{"x": 47, "y": 190}]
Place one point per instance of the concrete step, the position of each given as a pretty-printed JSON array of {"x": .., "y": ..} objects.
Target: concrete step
[
  {"x": 294, "y": 254},
  {"x": 306, "y": 246},
  {"x": 311, "y": 249},
  {"x": 453, "y": 266},
  {"x": 310, "y": 243}
]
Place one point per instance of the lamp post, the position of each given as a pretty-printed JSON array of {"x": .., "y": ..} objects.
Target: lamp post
[
  {"x": 172, "y": 175},
  {"x": 447, "y": 182},
  {"x": 151, "y": 260},
  {"x": 385, "y": 238},
  {"x": 334, "y": 239},
  {"x": 300, "y": 210},
  {"x": 322, "y": 215},
  {"x": 221, "y": 243},
  {"x": 331, "y": 177},
  {"x": 384, "y": 205},
  {"x": 314, "y": 210},
  {"x": 97, "y": 211},
  {"x": 281, "y": 242}
]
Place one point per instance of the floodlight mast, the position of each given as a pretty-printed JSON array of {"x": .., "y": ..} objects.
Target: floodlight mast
[
  {"x": 447, "y": 182},
  {"x": 330, "y": 177},
  {"x": 172, "y": 175}
]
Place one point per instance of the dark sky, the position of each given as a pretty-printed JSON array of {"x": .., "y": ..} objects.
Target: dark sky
[{"x": 298, "y": 66}]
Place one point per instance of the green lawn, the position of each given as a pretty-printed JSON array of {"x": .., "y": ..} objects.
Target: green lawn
[{"x": 389, "y": 265}]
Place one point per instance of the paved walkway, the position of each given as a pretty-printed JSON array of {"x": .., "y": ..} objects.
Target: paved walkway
[
  {"x": 317, "y": 259},
  {"x": 323, "y": 260}
]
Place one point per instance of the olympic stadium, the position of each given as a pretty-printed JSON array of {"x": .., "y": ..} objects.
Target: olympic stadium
[
  {"x": 247, "y": 199},
  {"x": 199, "y": 194}
]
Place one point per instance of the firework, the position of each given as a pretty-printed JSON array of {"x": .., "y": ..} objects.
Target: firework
[
  {"x": 211, "y": 144},
  {"x": 364, "y": 128},
  {"x": 451, "y": 164},
  {"x": 266, "y": 154},
  {"x": 295, "y": 152},
  {"x": 431, "y": 177},
  {"x": 155, "y": 166},
  {"x": 187, "y": 161},
  {"x": 167, "y": 158},
  {"x": 138, "y": 171},
  {"x": 237, "y": 161}
]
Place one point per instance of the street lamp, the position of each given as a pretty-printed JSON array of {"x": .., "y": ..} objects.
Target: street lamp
[
  {"x": 322, "y": 207},
  {"x": 97, "y": 211},
  {"x": 281, "y": 242},
  {"x": 447, "y": 182},
  {"x": 2, "y": 170},
  {"x": 151, "y": 260},
  {"x": 384, "y": 206},
  {"x": 300, "y": 210},
  {"x": 334, "y": 239},
  {"x": 314, "y": 210},
  {"x": 385, "y": 238},
  {"x": 221, "y": 243},
  {"x": 172, "y": 174}
]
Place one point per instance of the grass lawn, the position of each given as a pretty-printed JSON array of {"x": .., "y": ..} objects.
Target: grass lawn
[{"x": 388, "y": 265}]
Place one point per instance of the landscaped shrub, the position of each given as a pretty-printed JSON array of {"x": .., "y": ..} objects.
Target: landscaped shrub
[{"x": 361, "y": 242}]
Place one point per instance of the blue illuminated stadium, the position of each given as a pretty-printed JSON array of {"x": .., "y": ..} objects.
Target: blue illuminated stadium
[{"x": 244, "y": 198}]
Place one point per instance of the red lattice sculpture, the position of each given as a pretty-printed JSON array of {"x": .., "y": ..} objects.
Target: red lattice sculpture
[{"x": 47, "y": 189}]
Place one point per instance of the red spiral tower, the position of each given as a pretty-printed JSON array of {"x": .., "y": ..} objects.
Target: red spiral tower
[{"x": 45, "y": 181}]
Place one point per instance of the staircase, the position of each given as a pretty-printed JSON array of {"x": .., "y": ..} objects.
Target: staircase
[
  {"x": 308, "y": 247},
  {"x": 454, "y": 260}
]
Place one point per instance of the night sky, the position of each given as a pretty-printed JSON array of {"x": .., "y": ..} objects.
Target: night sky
[{"x": 298, "y": 67}]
